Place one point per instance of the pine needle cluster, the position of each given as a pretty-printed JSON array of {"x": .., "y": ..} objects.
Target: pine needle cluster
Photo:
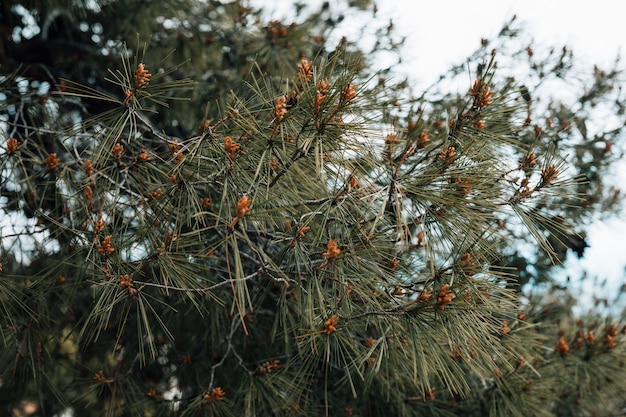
[{"x": 307, "y": 249}]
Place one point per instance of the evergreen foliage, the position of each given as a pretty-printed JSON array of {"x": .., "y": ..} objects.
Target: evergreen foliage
[{"x": 231, "y": 217}]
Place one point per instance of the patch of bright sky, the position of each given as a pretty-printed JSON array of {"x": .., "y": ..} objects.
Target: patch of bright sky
[{"x": 445, "y": 32}]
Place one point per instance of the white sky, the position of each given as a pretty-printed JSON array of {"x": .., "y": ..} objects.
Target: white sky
[{"x": 445, "y": 32}]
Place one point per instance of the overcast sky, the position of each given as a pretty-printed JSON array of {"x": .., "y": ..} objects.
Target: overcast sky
[{"x": 443, "y": 32}]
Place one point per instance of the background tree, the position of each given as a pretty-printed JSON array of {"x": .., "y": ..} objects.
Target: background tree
[{"x": 227, "y": 216}]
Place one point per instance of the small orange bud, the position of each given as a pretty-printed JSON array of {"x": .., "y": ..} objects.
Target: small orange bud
[
  {"x": 106, "y": 247},
  {"x": 332, "y": 250},
  {"x": 444, "y": 297},
  {"x": 230, "y": 146},
  {"x": 280, "y": 109},
  {"x": 12, "y": 146},
  {"x": 88, "y": 166},
  {"x": 562, "y": 347},
  {"x": 329, "y": 325},
  {"x": 348, "y": 93},
  {"x": 216, "y": 394},
  {"x": 52, "y": 161},
  {"x": 243, "y": 208},
  {"x": 143, "y": 155},
  {"x": 117, "y": 150},
  {"x": 423, "y": 139},
  {"x": 142, "y": 76}
]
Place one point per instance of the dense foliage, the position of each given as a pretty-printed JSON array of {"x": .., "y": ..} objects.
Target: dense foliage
[{"x": 228, "y": 216}]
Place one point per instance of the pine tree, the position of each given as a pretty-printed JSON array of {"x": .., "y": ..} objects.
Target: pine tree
[{"x": 232, "y": 217}]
